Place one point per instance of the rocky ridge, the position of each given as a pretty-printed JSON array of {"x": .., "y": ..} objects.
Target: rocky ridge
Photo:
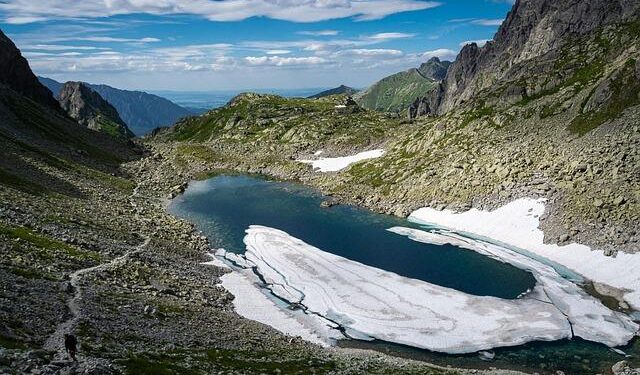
[
  {"x": 161, "y": 308},
  {"x": 87, "y": 247},
  {"x": 396, "y": 92},
  {"x": 16, "y": 73},
  {"x": 340, "y": 90},
  {"x": 564, "y": 130},
  {"x": 434, "y": 69},
  {"x": 89, "y": 109},
  {"x": 141, "y": 111},
  {"x": 534, "y": 33}
]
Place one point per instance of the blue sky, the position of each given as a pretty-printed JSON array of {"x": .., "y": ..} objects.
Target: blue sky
[{"x": 241, "y": 44}]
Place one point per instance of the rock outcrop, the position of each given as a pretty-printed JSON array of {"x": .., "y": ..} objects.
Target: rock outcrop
[
  {"x": 534, "y": 29},
  {"x": 141, "y": 111},
  {"x": 17, "y": 75},
  {"x": 434, "y": 69},
  {"x": 89, "y": 109}
]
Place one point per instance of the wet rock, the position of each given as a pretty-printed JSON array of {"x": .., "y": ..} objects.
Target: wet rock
[{"x": 328, "y": 203}]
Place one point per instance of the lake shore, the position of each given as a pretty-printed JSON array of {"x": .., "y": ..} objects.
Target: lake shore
[
  {"x": 517, "y": 224},
  {"x": 170, "y": 178}
]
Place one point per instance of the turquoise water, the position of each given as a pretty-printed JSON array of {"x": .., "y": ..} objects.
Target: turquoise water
[{"x": 223, "y": 207}]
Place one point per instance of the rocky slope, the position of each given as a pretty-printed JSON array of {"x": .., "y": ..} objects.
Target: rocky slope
[
  {"x": 89, "y": 109},
  {"x": 87, "y": 247},
  {"x": 434, "y": 68},
  {"x": 83, "y": 234},
  {"x": 340, "y": 90},
  {"x": 16, "y": 73},
  {"x": 534, "y": 35},
  {"x": 559, "y": 122},
  {"x": 141, "y": 111},
  {"x": 396, "y": 92}
]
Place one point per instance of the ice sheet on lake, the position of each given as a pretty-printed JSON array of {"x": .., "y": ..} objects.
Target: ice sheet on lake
[
  {"x": 590, "y": 319},
  {"x": 339, "y": 163},
  {"x": 251, "y": 302},
  {"x": 380, "y": 304},
  {"x": 517, "y": 223}
]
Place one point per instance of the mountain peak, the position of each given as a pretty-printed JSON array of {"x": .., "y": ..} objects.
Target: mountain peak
[
  {"x": 533, "y": 29},
  {"x": 434, "y": 69},
  {"x": 88, "y": 108},
  {"x": 17, "y": 75}
]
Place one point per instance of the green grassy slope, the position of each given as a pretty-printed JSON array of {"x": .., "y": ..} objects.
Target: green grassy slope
[{"x": 396, "y": 92}]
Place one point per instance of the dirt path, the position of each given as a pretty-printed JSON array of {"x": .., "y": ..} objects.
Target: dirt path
[{"x": 55, "y": 342}]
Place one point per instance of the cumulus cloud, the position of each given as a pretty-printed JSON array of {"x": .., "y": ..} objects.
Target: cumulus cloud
[
  {"x": 326, "y": 46},
  {"x": 20, "y": 20},
  {"x": 59, "y": 47},
  {"x": 284, "y": 61},
  {"x": 26, "y": 11}
]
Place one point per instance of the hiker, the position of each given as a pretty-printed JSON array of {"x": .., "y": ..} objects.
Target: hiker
[{"x": 70, "y": 345}]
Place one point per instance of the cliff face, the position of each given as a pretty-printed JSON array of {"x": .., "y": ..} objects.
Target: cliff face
[
  {"x": 141, "y": 111},
  {"x": 91, "y": 110},
  {"x": 434, "y": 69},
  {"x": 17, "y": 75},
  {"x": 533, "y": 30}
]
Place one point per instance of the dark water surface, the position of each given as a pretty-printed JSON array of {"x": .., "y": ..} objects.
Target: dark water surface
[{"x": 223, "y": 207}]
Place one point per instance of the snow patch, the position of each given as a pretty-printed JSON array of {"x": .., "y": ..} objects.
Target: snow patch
[
  {"x": 339, "y": 163},
  {"x": 253, "y": 302},
  {"x": 516, "y": 224},
  {"x": 589, "y": 318},
  {"x": 371, "y": 302}
]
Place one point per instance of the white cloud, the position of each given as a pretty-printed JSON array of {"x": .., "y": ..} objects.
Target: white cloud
[
  {"x": 20, "y": 20},
  {"x": 390, "y": 36},
  {"x": 371, "y": 52},
  {"x": 325, "y": 46},
  {"x": 284, "y": 61},
  {"x": 487, "y": 22},
  {"x": 277, "y": 52},
  {"x": 108, "y": 39},
  {"x": 319, "y": 33},
  {"x": 479, "y": 21},
  {"x": 59, "y": 47},
  {"x": 26, "y": 11},
  {"x": 30, "y": 54},
  {"x": 441, "y": 53},
  {"x": 479, "y": 42}
]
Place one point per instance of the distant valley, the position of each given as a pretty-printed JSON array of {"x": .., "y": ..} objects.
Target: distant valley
[{"x": 141, "y": 111}]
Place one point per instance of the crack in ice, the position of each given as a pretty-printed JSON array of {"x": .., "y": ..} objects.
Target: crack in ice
[{"x": 369, "y": 303}]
